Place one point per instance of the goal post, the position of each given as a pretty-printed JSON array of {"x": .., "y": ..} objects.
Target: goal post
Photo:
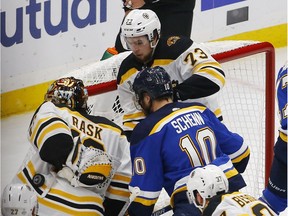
[
  {"x": 247, "y": 100},
  {"x": 269, "y": 52}
]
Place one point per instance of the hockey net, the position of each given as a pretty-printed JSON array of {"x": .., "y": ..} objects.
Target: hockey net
[{"x": 247, "y": 99}]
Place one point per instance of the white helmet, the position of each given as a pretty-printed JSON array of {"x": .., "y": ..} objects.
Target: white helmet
[
  {"x": 140, "y": 22},
  {"x": 208, "y": 181},
  {"x": 19, "y": 199}
]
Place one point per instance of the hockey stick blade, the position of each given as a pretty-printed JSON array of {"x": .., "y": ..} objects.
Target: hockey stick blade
[{"x": 162, "y": 210}]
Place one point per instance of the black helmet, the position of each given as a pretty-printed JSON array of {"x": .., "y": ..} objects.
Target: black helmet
[
  {"x": 68, "y": 91},
  {"x": 154, "y": 81}
]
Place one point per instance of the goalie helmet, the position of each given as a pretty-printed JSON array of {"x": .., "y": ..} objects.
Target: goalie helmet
[
  {"x": 68, "y": 91},
  {"x": 154, "y": 81},
  {"x": 140, "y": 23},
  {"x": 19, "y": 199},
  {"x": 208, "y": 181}
]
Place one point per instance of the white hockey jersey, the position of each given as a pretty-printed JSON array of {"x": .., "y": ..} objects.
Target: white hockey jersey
[
  {"x": 236, "y": 204},
  {"x": 56, "y": 196},
  {"x": 198, "y": 74}
]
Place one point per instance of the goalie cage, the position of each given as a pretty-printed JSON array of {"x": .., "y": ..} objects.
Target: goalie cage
[{"x": 247, "y": 100}]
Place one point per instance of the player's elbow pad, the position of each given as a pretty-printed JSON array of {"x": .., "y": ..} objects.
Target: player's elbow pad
[
  {"x": 241, "y": 165},
  {"x": 56, "y": 149}
]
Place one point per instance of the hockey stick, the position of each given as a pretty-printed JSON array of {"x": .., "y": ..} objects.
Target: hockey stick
[
  {"x": 135, "y": 191},
  {"x": 162, "y": 210}
]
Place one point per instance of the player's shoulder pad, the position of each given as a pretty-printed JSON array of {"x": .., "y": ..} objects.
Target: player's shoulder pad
[
  {"x": 37, "y": 110},
  {"x": 172, "y": 47},
  {"x": 128, "y": 63},
  {"x": 48, "y": 106},
  {"x": 141, "y": 131}
]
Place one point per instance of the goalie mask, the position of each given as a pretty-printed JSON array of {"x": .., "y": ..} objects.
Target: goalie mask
[
  {"x": 140, "y": 23},
  {"x": 153, "y": 81},
  {"x": 68, "y": 91},
  {"x": 208, "y": 181},
  {"x": 19, "y": 199}
]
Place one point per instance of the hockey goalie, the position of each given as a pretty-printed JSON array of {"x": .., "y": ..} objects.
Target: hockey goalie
[{"x": 80, "y": 164}]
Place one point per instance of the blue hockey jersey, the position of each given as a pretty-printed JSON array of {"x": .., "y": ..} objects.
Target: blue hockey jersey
[
  {"x": 170, "y": 142},
  {"x": 281, "y": 86}
]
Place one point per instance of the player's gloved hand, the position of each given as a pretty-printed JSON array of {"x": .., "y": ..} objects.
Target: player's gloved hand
[{"x": 176, "y": 95}]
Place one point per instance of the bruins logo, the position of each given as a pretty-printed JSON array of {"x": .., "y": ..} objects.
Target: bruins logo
[
  {"x": 172, "y": 40},
  {"x": 145, "y": 16}
]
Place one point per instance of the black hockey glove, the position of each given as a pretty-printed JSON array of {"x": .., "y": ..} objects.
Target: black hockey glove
[{"x": 176, "y": 95}]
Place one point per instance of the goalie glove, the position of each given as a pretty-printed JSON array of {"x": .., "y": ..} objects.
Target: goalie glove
[{"x": 92, "y": 168}]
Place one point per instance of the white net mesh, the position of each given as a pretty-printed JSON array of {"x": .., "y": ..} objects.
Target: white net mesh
[
  {"x": 243, "y": 105},
  {"x": 242, "y": 99},
  {"x": 100, "y": 71}
]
